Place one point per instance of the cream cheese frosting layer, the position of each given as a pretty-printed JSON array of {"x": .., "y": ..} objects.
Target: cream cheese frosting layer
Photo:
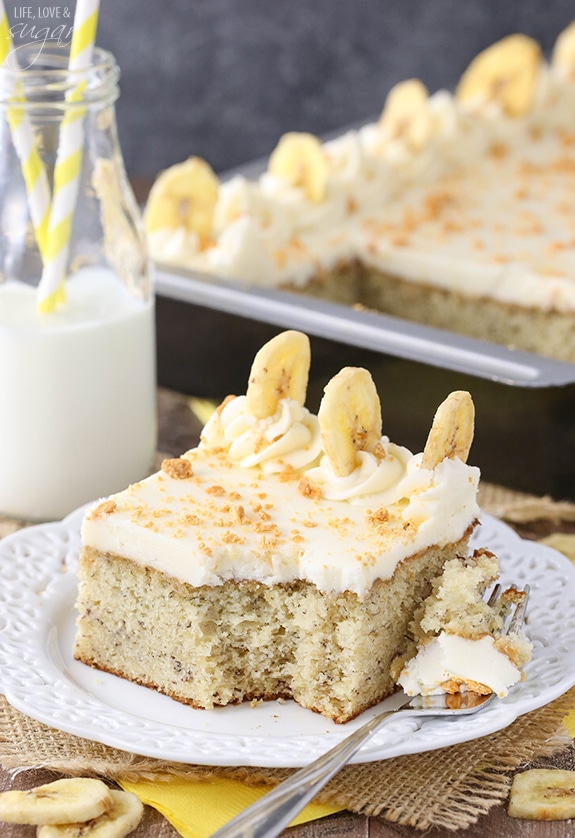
[
  {"x": 450, "y": 657},
  {"x": 225, "y": 522},
  {"x": 484, "y": 207},
  {"x": 290, "y": 437}
]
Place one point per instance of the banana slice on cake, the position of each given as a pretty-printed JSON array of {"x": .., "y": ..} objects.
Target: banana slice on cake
[
  {"x": 543, "y": 794},
  {"x": 185, "y": 195},
  {"x": 406, "y": 113},
  {"x": 280, "y": 370},
  {"x": 73, "y": 800},
  {"x": 505, "y": 73},
  {"x": 301, "y": 160},
  {"x": 563, "y": 55},
  {"x": 349, "y": 418},
  {"x": 451, "y": 433}
]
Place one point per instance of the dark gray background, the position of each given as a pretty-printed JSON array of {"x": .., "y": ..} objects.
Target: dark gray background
[{"x": 223, "y": 79}]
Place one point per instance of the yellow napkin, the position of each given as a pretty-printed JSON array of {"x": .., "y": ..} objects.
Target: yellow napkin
[
  {"x": 570, "y": 722},
  {"x": 198, "y": 808}
]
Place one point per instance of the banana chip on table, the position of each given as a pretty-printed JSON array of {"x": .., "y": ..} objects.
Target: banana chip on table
[
  {"x": 505, "y": 73},
  {"x": 124, "y": 816},
  {"x": 301, "y": 160},
  {"x": 543, "y": 794},
  {"x": 63, "y": 801}
]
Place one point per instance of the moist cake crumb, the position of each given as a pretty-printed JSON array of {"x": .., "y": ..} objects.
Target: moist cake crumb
[{"x": 233, "y": 585}]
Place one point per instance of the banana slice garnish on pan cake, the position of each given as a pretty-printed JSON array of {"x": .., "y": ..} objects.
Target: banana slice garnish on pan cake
[
  {"x": 300, "y": 159},
  {"x": 505, "y": 73},
  {"x": 183, "y": 196},
  {"x": 563, "y": 55},
  {"x": 406, "y": 114}
]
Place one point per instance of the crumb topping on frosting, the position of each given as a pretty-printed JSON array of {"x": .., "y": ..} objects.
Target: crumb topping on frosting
[
  {"x": 233, "y": 523},
  {"x": 178, "y": 468},
  {"x": 342, "y": 516},
  {"x": 106, "y": 507}
]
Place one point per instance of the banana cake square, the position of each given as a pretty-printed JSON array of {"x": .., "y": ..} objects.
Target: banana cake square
[{"x": 285, "y": 556}]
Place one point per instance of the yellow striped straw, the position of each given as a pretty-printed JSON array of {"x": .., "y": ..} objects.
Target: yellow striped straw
[
  {"x": 22, "y": 132},
  {"x": 51, "y": 290}
]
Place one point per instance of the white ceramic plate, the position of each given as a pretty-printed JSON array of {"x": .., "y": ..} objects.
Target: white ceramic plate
[{"x": 39, "y": 676}]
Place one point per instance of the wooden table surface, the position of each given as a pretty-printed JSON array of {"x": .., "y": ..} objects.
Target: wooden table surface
[{"x": 178, "y": 431}]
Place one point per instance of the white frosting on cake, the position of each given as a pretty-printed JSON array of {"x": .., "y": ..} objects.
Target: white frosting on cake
[
  {"x": 288, "y": 438},
  {"x": 450, "y": 657},
  {"x": 249, "y": 508},
  {"x": 485, "y": 206},
  {"x": 382, "y": 478}
]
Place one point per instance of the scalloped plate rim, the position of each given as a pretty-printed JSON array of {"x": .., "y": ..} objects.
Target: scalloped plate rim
[{"x": 260, "y": 750}]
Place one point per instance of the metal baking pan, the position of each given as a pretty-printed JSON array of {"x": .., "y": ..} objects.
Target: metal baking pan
[
  {"x": 365, "y": 329},
  {"x": 209, "y": 329}
]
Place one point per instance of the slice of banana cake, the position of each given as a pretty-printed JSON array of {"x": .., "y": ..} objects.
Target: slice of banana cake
[{"x": 286, "y": 555}]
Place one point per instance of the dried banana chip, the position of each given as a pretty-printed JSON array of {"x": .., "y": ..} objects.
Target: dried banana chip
[
  {"x": 563, "y": 55},
  {"x": 301, "y": 160},
  {"x": 406, "y": 113},
  {"x": 63, "y": 801},
  {"x": 543, "y": 794},
  {"x": 280, "y": 370},
  {"x": 452, "y": 430},
  {"x": 504, "y": 73},
  {"x": 185, "y": 195},
  {"x": 124, "y": 816},
  {"x": 349, "y": 418}
]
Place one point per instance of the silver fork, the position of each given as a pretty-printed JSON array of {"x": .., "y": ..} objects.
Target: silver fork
[{"x": 268, "y": 816}]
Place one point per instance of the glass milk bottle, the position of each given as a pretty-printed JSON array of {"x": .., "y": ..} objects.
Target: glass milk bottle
[{"x": 77, "y": 352}]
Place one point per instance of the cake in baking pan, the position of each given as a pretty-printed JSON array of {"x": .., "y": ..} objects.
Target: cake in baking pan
[
  {"x": 452, "y": 209},
  {"x": 284, "y": 557}
]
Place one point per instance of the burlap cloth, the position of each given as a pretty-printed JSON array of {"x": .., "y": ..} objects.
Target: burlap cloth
[{"x": 448, "y": 788}]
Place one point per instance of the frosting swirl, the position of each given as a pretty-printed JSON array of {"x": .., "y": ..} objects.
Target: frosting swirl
[
  {"x": 290, "y": 437},
  {"x": 375, "y": 479}
]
